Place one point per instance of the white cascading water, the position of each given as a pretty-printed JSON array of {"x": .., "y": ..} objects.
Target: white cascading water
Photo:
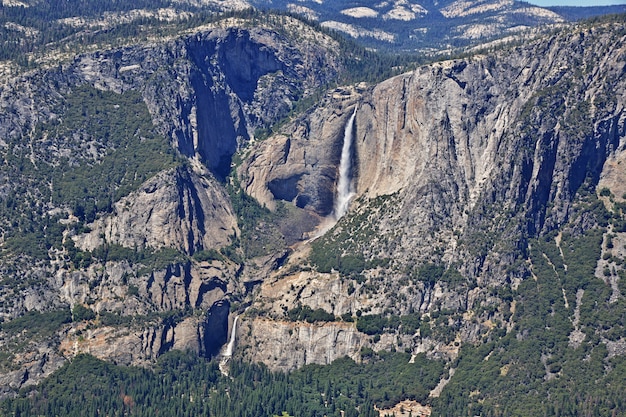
[
  {"x": 231, "y": 342},
  {"x": 345, "y": 186},
  {"x": 228, "y": 352}
]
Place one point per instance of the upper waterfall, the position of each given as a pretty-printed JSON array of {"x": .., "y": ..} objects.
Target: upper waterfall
[{"x": 345, "y": 186}]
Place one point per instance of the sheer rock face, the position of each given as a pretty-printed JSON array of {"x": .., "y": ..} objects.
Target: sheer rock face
[
  {"x": 176, "y": 209},
  {"x": 458, "y": 163},
  {"x": 208, "y": 91},
  {"x": 511, "y": 134},
  {"x": 226, "y": 83},
  {"x": 301, "y": 167},
  {"x": 455, "y": 163},
  {"x": 286, "y": 345},
  {"x": 455, "y": 137}
]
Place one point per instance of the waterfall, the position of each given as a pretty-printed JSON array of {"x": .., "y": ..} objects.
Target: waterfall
[
  {"x": 231, "y": 343},
  {"x": 228, "y": 352},
  {"x": 345, "y": 187}
]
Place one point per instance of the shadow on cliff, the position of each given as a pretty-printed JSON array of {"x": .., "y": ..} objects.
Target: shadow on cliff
[{"x": 225, "y": 76}]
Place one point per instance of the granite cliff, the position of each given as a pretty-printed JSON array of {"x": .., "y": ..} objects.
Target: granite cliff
[
  {"x": 137, "y": 243},
  {"x": 458, "y": 164},
  {"x": 199, "y": 182}
]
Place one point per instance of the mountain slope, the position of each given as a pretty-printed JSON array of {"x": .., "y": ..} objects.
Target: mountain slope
[
  {"x": 422, "y": 25},
  {"x": 474, "y": 178},
  {"x": 111, "y": 196},
  {"x": 153, "y": 191},
  {"x": 30, "y": 27}
]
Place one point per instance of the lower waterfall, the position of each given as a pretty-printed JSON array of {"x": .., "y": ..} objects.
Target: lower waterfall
[{"x": 228, "y": 351}]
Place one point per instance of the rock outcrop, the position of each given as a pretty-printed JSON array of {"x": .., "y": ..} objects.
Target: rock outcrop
[
  {"x": 306, "y": 343},
  {"x": 237, "y": 80},
  {"x": 176, "y": 209},
  {"x": 301, "y": 167},
  {"x": 148, "y": 270},
  {"x": 425, "y": 25},
  {"x": 455, "y": 137},
  {"x": 458, "y": 164}
]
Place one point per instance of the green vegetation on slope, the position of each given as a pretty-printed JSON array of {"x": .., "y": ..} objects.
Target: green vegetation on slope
[
  {"x": 345, "y": 248},
  {"x": 550, "y": 363},
  {"x": 184, "y": 385},
  {"x": 129, "y": 149},
  {"x": 260, "y": 234},
  {"x": 115, "y": 149}
]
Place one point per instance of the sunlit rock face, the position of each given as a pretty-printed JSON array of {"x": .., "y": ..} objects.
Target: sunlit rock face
[{"x": 457, "y": 163}]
